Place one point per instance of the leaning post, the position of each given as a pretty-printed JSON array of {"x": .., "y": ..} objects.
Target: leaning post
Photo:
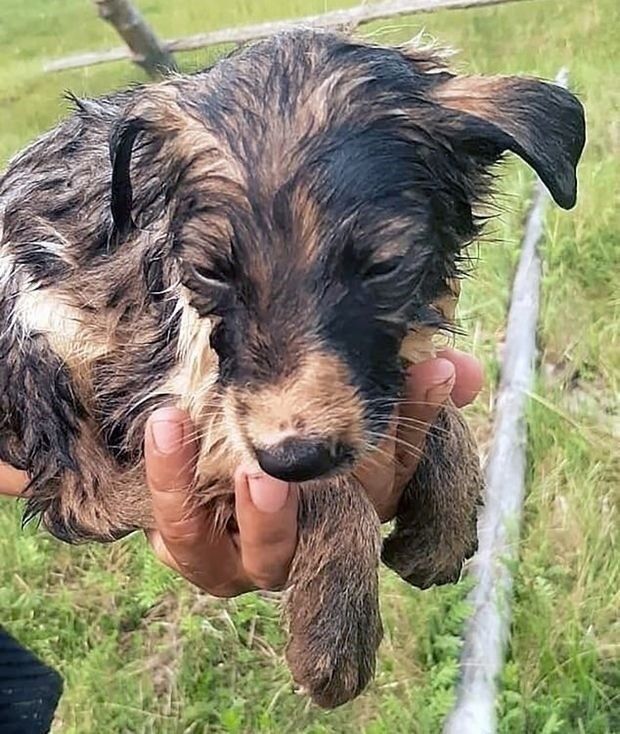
[
  {"x": 146, "y": 49},
  {"x": 488, "y": 629}
]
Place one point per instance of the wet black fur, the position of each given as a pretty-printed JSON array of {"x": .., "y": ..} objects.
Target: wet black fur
[
  {"x": 39, "y": 410},
  {"x": 105, "y": 176}
]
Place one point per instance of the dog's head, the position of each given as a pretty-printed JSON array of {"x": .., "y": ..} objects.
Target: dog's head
[{"x": 319, "y": 194}]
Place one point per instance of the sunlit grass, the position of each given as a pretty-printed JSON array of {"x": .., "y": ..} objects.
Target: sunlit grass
[{"x": 141, "y": 652}]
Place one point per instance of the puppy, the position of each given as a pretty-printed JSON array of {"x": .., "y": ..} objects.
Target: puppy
[{"x": 266, "y": 244}]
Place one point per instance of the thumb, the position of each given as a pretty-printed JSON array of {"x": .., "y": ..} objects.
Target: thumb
[
  {"x": 429, "y": 385},
  {"x": 169, "y": 450}
]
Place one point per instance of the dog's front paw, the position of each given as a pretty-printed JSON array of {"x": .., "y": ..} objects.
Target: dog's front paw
[
  {"x": 424, "y": 561},
  {"x": 333, "y": 641},
  {"x": 436, "y": 526}
]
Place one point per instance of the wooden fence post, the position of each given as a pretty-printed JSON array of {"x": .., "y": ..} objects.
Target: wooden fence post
[
  {"x": 144, "y": 45},
  {"x": 349, "y": 18},
  {"x": 488, "y": 629}
]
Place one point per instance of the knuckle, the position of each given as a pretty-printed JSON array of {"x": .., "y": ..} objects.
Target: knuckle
[
  {"x": 277, "y": 540},
  {"x": 179, "y": 532},
  {"x": 268, "y": 576},
  {"x": 177, "y": 537}
]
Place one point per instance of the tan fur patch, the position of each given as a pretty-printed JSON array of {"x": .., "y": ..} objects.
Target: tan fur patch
[
  {"x": 331, "y": 92},
  {"x": 49, "y": 312},
  {"x": 193, "y": 382},
  {"x": 420, "y": 344},
  {"x": 475, "y": 95},
  {"x": 311, "y": 115},
  {"x": 391, "y": 240},
  {"x": 95, "y": 509},
  {"x": 317, "y": 400},
  {"x": 189, "y": 134},
  {"x": 308, "y": 218},
  {"x": 196, "y": 373},
  {"x": 500, "y": 100}
]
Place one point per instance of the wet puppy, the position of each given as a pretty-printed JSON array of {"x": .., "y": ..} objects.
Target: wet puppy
[{"x": 266, "y": 244}]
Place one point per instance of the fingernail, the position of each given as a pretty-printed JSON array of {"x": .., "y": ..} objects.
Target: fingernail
[
  {"x": 167, "y": 435},
  {"x": 444, "y": 377},
  {"x": 267, "y": 494}
]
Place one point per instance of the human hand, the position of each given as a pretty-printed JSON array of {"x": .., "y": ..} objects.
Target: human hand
[
  {"x": 259, "y": 555},
  {"x": 386, "y": 473},
  {"x": 12, "y": 481}
]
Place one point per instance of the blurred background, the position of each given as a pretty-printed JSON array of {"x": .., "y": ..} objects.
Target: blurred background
[{"x": 142, "y": 652}]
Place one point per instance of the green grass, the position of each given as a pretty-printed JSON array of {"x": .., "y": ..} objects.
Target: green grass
[{"x": 141, "y": 652}]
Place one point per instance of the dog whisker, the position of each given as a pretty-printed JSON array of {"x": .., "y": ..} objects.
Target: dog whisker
[{"x": 267, "y": 244}]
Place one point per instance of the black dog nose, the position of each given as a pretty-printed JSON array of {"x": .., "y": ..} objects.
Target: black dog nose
[{"x": 297, "y": 460}]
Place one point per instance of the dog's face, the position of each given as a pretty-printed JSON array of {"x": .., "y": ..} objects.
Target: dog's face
[{"x": 320, "y": 193}]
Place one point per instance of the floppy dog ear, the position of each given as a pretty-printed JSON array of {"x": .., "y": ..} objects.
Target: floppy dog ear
[
  {"x": 541, "y": 122},
  {"x": 122, "y": 141}
]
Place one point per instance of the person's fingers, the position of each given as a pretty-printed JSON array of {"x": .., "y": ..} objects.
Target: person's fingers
[
  {"x": 266, "y": 511},
  {"x": 12, "y": 481},
  {"x": 469, "y": 376},
  {"x": 429, "y": 385},
  {"x": 185, "y": 538},
  {"x": 267, "y": 508},
  {"x": 170, "y": 455},
  {"x": 452, "y": 374},
  {"x": 376, "y": 474}
]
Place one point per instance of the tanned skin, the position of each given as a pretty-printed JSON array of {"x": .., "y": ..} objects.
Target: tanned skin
[
  {"x": 265, "y": 245},
  {"x": 266, "y": 508}
]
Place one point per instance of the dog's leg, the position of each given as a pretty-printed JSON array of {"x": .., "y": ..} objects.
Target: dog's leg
[
  {"x": 436, "y": 522},
  {"x": 332, "y": 606},
  {"x": 45, "y": 430}
]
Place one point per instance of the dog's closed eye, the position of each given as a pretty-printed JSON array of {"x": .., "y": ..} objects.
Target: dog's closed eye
[
  {"x": 382, "y": 269},
  {"x": 211, "y": 295}
]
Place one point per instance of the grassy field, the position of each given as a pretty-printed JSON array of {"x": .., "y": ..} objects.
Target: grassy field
[{"x": 141, "y": 652}]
